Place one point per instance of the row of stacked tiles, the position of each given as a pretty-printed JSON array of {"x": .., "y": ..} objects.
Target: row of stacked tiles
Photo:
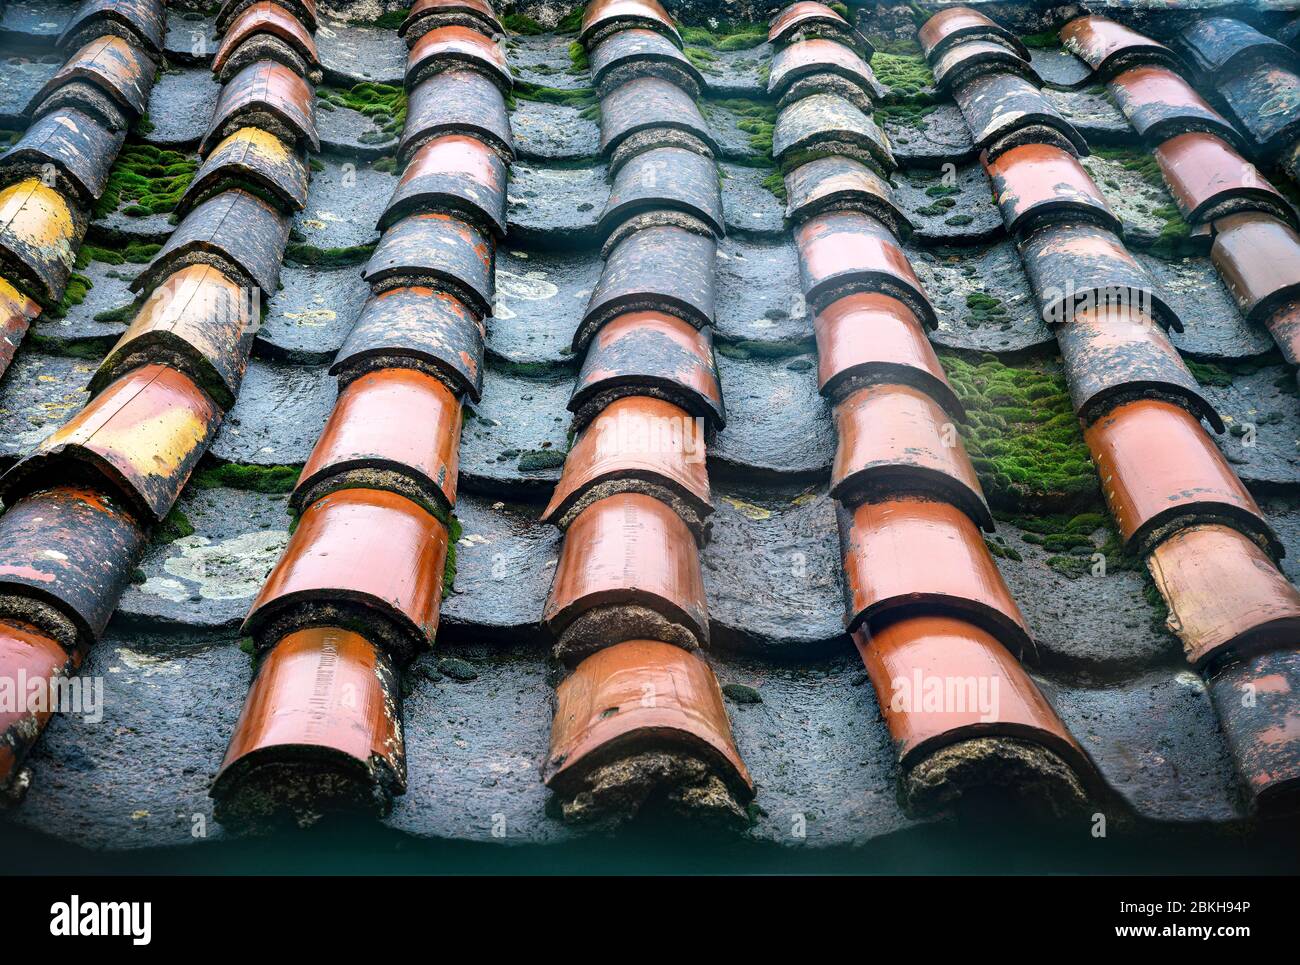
[
  {"x": 356, "y": 594},
  {"x": 1175, "y": 499},
  {"x": 922, "y": 592},
  {"x": 97, "y": 484},
  {"x": 627, "y": 607}
]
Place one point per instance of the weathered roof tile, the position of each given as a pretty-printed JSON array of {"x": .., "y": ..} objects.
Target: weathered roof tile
[
  {"x": 1035, "y": 184},
  {"x": 80, "y": 148},
  {"x": 254, "y": 158},
  {"x": 270, "y": 96},
  {"x": 457, "y": 48},
  {"x": 453, "y": 174},
  {"x": 628, "y": 54},
  {"x": 436, "y": 248}
]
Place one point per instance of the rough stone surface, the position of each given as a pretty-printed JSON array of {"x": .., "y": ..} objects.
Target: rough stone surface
[
  {"x": 959, "y": 281},
  {"x": 191, "y": 37},
  {"x": 307, "y": 320},
  {"x": 953, "y": 208},
  {"x": 1212, "y": 326},
  {"x": 540, "y": 299},
  {"x": 936, "y": 137},
  {"x": 543, "y": 59},
  {"x": 37, "y": 395},
  {"x": 749, "y": 208},
  {"x": 772, "y": 573},
  {"x": 522, "y": 422},
  {"x": 556, "y": 207},
  {"x": 733, "y": 143},
  {"x": 279, "y": 415},
  {"x": 553, "y": 132},
  {"x": 1263, "y": 417},
  {"x": 777, "y": 424},
  {"x": 181, "y": 106},
  {"x": 1059, "y": 68},
  {"x": 209, "y": 577},
  {"x": 353, "y": 53},
  {"x": 344, "y": 202},
  {"x": 1093, "y": 114},
  {"x": 505, "y": 561},
  {"x": 23, "y": 79},
  {"x": 35, "y": 22},
  {"x": 738, "y": 73},
  {"x": 351, "y": 134},
  {"x": 1131, "y": 196},
  {"x": 760, "y": 304},
  {"x": 79, "y": 327},
  {"x": 121, "y": 227}
]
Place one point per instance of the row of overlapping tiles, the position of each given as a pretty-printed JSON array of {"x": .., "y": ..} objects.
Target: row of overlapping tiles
[
  {"x": 80, "y": 506},
  {"x": 1176, "y": 501},
  {"x": 356, "y": 594}
]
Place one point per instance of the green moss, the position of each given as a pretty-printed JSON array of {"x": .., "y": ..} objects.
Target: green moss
[
  {"x": 91, "y": 349},
  {"x": 393, "y": 19},
  {"x": 1040, "y": 41},
  {"x": 841, "y": 9},
  {"x": 258, "y": 479},
  {"x": 74, "y": 294},
  {"x": 775, "y": 182},
  {"x": 123, "y": 314},
  {"x": 304, "y": 254},
  {"x": 148, "y": 179},
  {"x": 581, "y": 97},
  {"x": 906, "y": 115},
  {"x": 755, "y": 118},
  {"x": 175, "y": 526},
  {"x": 454, "y": 531},
  {"x": 134, "y": 252},
  {"x": 385, "y": 104},
  {"x": 571, "y": 22},
  {"x": 519, "y": 23},
  {"x": 907, "y": 76},
  {"x": 578, "y": 62},
  {"x": 1023, "y": 436},
  {"x": 735, "y": 36},
  {"x": 1174, "y": 238}
]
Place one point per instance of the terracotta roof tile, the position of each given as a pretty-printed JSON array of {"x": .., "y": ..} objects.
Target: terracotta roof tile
[
  {"x": 873, "y": 339},
  {"x": 654, "y": 355},
  {"x": 1209, "y": 180},
  {"x": 1160, "y": 472},
  {"x": 426, "y": 15},
  {"x": 16, "y": 314},
  {"x": 838, "y": 183},
  {"x": 234, "y": 231},
  {"x": 1115, "y": 356},
  {"x": 822, "y": 65},
  {"x": 647, "y": 112},
  {"x": 252, "y": 157},
  {"x": 272, "y": 20},
  {"x": 422, "y": 249},
  {"x": 143, "y": 22},
  {"x": 896, "y": 440},
  {"x": 365, "y": 556},
  {"x": 39, "y": 236},
  {"x": 456, "y": 102},
  {"x": 1159, "y": 104},
  {"x": 454, "y": 174},
  {"x": 423, "y": 328},
  {"x": 1217, "y": 46},
  {"x": 602, "y": 17},
  {"x": 628, "y": 54},
  {"x": 1109, "y": 47},
  {"x": 917, "y": 557},
  {"x": 395, "y": 429},
  {"x": 844, "y": 252},
  {"x": 629, "y": 568},
  {"x": 457, "y": 48},
  {"x": 819, "y": 123},
  {"x": 80, "y": 148},
  {"x": 1035, "y": 184},
  {"x": 665, "y": 179},
  {"x": 993, "y": 700},
  {"x": 807, "y": 18},
  {"x": 200, "y": 322},
  {"x": 1261, "y": 286},
  {"x": 1004, "y": 110},
  {"x": 304, "y": 10},
  {"x": 1226, "y": 597},
  {"x": 66, "y": 555},
  {"x": 637, "y": 444},
  {"x": 141, "y": 437},
  {"x": 281, "y": 100},
  {"x": 324, "y": 701},
  {"x": 687, "y": 712},
  {"x": 26, "y": 654},
  {"x": 974, "y": 58},
  {"x": 1261, "y": 100},
  {"x": 954, "y": 25},
  {"x": 112, "y": 66},
  {"x": 1262, "y": 731}
]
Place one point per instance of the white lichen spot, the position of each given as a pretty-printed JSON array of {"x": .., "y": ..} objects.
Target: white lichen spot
[{"x": 229, "y": 570}]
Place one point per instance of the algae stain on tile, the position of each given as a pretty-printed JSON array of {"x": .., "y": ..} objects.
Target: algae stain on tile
[{"x": 231, "y": 569}]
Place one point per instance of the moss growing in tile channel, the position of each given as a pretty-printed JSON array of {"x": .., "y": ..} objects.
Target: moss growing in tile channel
[
  {"x": 454, "y": 531},
  {"x": 1045, "y": 40},
  {"x": 258, "y": 479},
  {"x": 385, "y": 104},
  {"x": 1023, "y": 437},
  {"x": 755, "y": 118},
  {"x": 907, "y": 76},
  {"x": 147, "y": 179},
  {"x": 175, "y": 526},
  {"x": 1173, "y": 238},
  {"x": 521, "y": 23}
]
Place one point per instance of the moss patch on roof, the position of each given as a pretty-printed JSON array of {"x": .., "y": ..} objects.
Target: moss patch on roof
[
  {"x": 454, "y": 531},
  {"x": 1174, "y": 238},
  {"x": 176, "y": 525},
  {"x": 1042, "y": 41},
  {"x": 258, "y": 479},
  {"x": 148, "y": 179},
  {"x": 385, "y": 104},
  {"x": 1023, "y": 436},
  {"x": 907, "y": 76},
  {"x": 521, "y": 23}
]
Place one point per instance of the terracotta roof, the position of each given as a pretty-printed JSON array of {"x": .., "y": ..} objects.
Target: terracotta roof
[{"x": 569, "y": 420}]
